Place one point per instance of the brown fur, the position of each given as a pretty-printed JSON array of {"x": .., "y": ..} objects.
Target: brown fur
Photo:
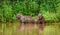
[
  {"x": 24, "y": 20},
  {"x": 41, "y": 22}
]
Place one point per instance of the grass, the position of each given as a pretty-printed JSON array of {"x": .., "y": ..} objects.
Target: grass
[{"x": 10, "y": 29}]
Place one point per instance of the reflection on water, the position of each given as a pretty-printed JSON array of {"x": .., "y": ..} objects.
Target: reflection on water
[{"x": 11, "y": 29}]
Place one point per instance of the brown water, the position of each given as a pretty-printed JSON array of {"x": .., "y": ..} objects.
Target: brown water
[{"x": 11, "y": 29}]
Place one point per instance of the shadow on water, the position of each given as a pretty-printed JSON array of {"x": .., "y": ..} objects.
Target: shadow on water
[{"x": 10, "y": 29}]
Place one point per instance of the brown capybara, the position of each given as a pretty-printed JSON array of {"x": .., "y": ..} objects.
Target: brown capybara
[{"x": 25, "y": 20}]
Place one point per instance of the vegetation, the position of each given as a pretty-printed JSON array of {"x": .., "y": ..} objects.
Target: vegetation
[
  {"x": 9, "y": 8},
  {"x": 49, "y": 8}
]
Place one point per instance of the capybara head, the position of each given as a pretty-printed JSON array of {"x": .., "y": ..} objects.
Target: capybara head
[
  {"x": 40, "y": 16},
  {"x": 18, "y": 16}
]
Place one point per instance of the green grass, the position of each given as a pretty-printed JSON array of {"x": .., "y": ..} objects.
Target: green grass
[{"x": 10, "y": 29}]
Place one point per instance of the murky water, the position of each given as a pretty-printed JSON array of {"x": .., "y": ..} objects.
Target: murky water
[{"x": 11, "y": 29}]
